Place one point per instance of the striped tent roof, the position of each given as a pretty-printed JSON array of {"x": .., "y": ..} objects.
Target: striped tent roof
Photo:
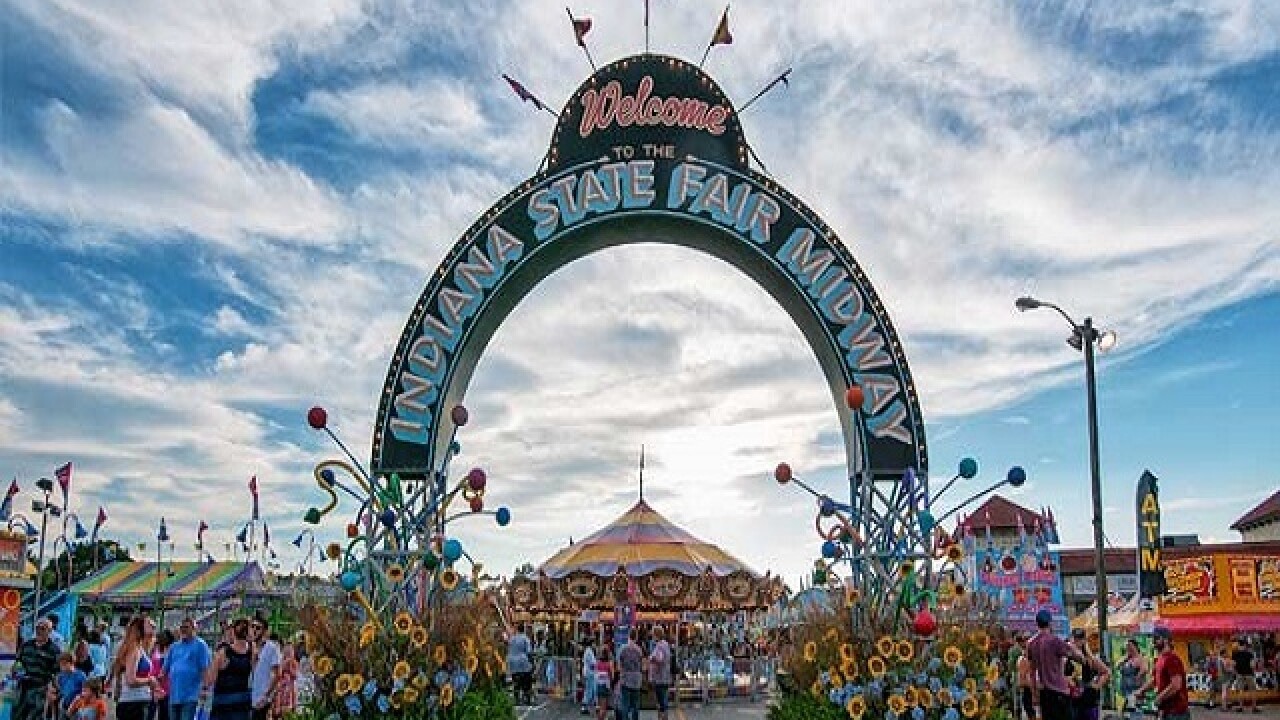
[
  {"x": 124, "y": 580},
  {"x": 643, "y": 541}
]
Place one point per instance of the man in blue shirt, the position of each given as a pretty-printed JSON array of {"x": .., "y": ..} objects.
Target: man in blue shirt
[{"x": 185, "y": 666}]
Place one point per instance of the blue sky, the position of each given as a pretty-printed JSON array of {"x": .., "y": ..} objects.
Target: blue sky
[{"x": 215, "y": 215}]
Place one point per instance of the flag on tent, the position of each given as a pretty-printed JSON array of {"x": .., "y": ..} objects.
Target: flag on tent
[
  {"x": 253, "y": 490},
  {"x": 97, "y": 524},
  {"x": 63, "y": 474},
  {"x": 163, "y": 534},
  {"x": 200, "y": 533}
]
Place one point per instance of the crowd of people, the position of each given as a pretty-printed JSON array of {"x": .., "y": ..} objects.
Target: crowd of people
[{"x": 155, "y": 674}]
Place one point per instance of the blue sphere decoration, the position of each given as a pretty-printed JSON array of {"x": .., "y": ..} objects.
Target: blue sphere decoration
[
  {"x": 503, "y": 516},
  {"x": 452, "y": 550},
  {"x": 388, "y": 517},
  {"x": 829, "y": 550},
  {"x": 1017, "y": 476},
  {"x": 327, "y": 475},
  {"x": 968, "y": 468},
  {"x": 826, "y": 506},
  {"x": 926, "y": 521},
  {"x": 350, "y": 580}
]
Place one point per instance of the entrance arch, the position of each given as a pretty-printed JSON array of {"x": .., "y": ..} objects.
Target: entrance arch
[{"x": 649, "y": 150}]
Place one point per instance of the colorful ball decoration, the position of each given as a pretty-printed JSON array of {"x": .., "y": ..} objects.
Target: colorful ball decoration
[
  {"x": 826, "y": 506},
  {"x": 387, "y": 517},
  {"x": 477, "y": 503},
  {"x": 350, "y": 580},
  {"x": 924, "y": 624},
  {"x": 353, "y": 530},
  {"x": 430, "y": 561},
  {"x": 452, "y": 550},
  {"x": 327, "y": 475},
  {"x": 830, "y": 550},
  {"x": 459, "y": 415},
  {"x": 476, "y": 479},
  {"x": 503, "y": 516},
  {"x": 854, "y": 397},
  {"x": 317, "y": 417},
  {"x": 968, "y": 468},
  {"x": 1017, "y": 476},
  {"x": 782, "y": 473}
]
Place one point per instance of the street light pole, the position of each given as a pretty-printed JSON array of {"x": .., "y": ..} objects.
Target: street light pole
[
  {"x": 1083, "y": 337},
  {"x": 47, "y": 486}
]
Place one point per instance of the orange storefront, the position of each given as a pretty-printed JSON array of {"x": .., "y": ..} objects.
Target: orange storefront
[{"x": 1216, "y": 593}]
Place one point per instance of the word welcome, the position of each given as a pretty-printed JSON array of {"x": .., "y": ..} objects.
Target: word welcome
[{"x": 609, "y": 106}]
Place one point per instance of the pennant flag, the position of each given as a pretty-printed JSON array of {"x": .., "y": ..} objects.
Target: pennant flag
[
  {"x": 266, "y": 535},
  {"x": 81, "y": 533},
  {"x": 200, "y": 533},
  {"x": 163, "y": 534},
  {"x": 253, "y": 490},
  {"x": 524, "y": 93},
  {"x": 297, "y": 542},
  {"x": 242, "y": 536},
  {"x": 6, "y": 507},
  {"x": 581, "y": 26},
  {"x": 63, "y": 474},
  {"x": 723, "y": 36}
]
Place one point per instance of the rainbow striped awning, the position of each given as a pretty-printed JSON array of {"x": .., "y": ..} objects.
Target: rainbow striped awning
[
  {"x": 125, "y": 580},
  {"x": 643, "y": 541}
]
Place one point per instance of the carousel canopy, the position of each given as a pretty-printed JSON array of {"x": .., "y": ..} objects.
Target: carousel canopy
[{"x": 642, "y": 541}]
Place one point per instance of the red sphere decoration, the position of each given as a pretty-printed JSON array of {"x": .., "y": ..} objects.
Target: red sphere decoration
[
  {"x": 317, "y": 417},
  {"x": 353, "y": 530},
  {"x": 924, "y": 623},
  {"x": 854, "y": 397},
  {"x": 782, "y": 473},
  {"x": 476, "y": 479},
  {"x": 477, "y": 504},
  {"x": 459, "y": 415}
]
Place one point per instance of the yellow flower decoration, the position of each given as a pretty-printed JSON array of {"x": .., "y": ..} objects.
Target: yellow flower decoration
[
  {"x": 395, "y": 573},
  {"x": 849, "y": 667},
  {"x": 856, "y": 707},
  {"x": 970, "y": 685},
  {"x": 400, "y": 671},
  {"x": 980, "y": 639},
  {"x": 924, "y": 697},
  {"x": 911, "y": 696},
  {"x": 323, "y": 665},
  {"x": 906, "y": 650},
  {"x": 342, "y": 685},
  {"x": 419, "y": 637},
  {"x": 446, "y": 696},
  {"x": 395, "y": 699},
  {"x": 846, "y": 651},
  {"x": 837, "y": 682},
  {"x": 897, "y": 704},
  {"x": 987, "y": 699},
  {"x": 472, "y": 662},
  {"x": 945, "y": 699},
  {"x": 885, "y": 646},
  {"x": 955, "y": 553},
  {"x": 993, "y": 672},
  {"x": 367, "y": 633},
  {"x": 876, "y": 667},
  {"x": 969, "y": 707},
  {"x": 831, "y": 635},
  {"x": 357, "y": 681},
  {"x": 440, "y": 655},
  {"x": 958, "y": 590},
  {"x": 449, "y": 579},
  {"x": 404, "y": 623},
  {"x": 816, "y": 688},
  {"x": 410, "y": 695},
  {"x": 810, "y": 651},
  {"x": 952, "y": 656},
  {"x": 421, "y": 681}
]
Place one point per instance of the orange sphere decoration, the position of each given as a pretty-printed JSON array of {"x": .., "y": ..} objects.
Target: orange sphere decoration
[
  {"x": 353, "y": 530},
  {"x": 477, "y": 503},
  {"x": 854, "y": 397},
  {"x": 782, "y": 473}
]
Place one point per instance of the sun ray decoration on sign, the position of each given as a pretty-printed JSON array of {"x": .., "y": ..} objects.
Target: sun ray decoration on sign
[
  {"x": 885, "y": 548},
  {"x": 403, "y": 572}
]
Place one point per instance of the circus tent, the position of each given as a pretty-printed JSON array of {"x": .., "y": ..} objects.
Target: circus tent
[{"x": 643, "y": 558}]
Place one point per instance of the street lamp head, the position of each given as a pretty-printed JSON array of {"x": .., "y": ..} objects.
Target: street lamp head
[
  {"x": 45, "y": 484},
  {"x": 1026, "y": 302},
  {"x": 1075, "y": 340},
  {"x": 1107, "y": 340}
]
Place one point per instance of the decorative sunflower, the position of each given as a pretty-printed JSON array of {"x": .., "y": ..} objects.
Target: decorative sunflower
[
  {"x": 410, "y": 695},
  {"x": 906, "y": 568},
  {"x": 810, "y": 651},
  {"x": 419, "y": 637},
  {"x": 846, "y": 651},
  {"x": 837, "y": 682},
  {"x": 816, "y": 688},
  {"x": 911, "y": 696},
  {"x": 367, "y": 633},
  {"x": 955, "y": 553},
  {"x": 404, "y": 623},
  {"x": 970, "y": 685},
  {"x": 471, "y": 663},
  {"x": 831, "y": 635},
  {"x": 323, "y": 665},
  {"x": 856, "y": 707},
  {"x": 906, "y": 650},
  {"x": 421, "y": 681},
  {"x": 958, "y": 590},
  {"x": 449, "y": 579},
  {"x": 849, "y": 667},
  {"x": 440, "y": 655},
  {"x": 342, "y": 685},
  {"x": 897, "y": 704},
  {"x": 851, "y": 597},
  {"x": 993, "y": 672},
  {"x": 876, "y": 667},
  {"x": 924, "y": 697},
  {"x": 944, "y": 698},
  {"x": 356, "y": 681},
  {"x": 333, "y": 550},
  {"x": 969, "y": 707},
  {"x": 952, "y": 656},
  {"x": 885, "y": 646},
  {"x": 395, "y": 573},
  {"x": 400, "y": 671},
  {"x": 446, "y": 696},
  {"x": 980, "y": 639}
]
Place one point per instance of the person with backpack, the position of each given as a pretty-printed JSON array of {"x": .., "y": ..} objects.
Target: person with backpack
[{"x": 660, "y": 670}]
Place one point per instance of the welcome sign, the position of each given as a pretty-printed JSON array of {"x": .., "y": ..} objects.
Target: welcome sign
[{"x": 648, "y": 150}]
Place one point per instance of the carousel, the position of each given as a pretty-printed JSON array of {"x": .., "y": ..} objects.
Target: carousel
[{"x": 640, "y": 571}]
